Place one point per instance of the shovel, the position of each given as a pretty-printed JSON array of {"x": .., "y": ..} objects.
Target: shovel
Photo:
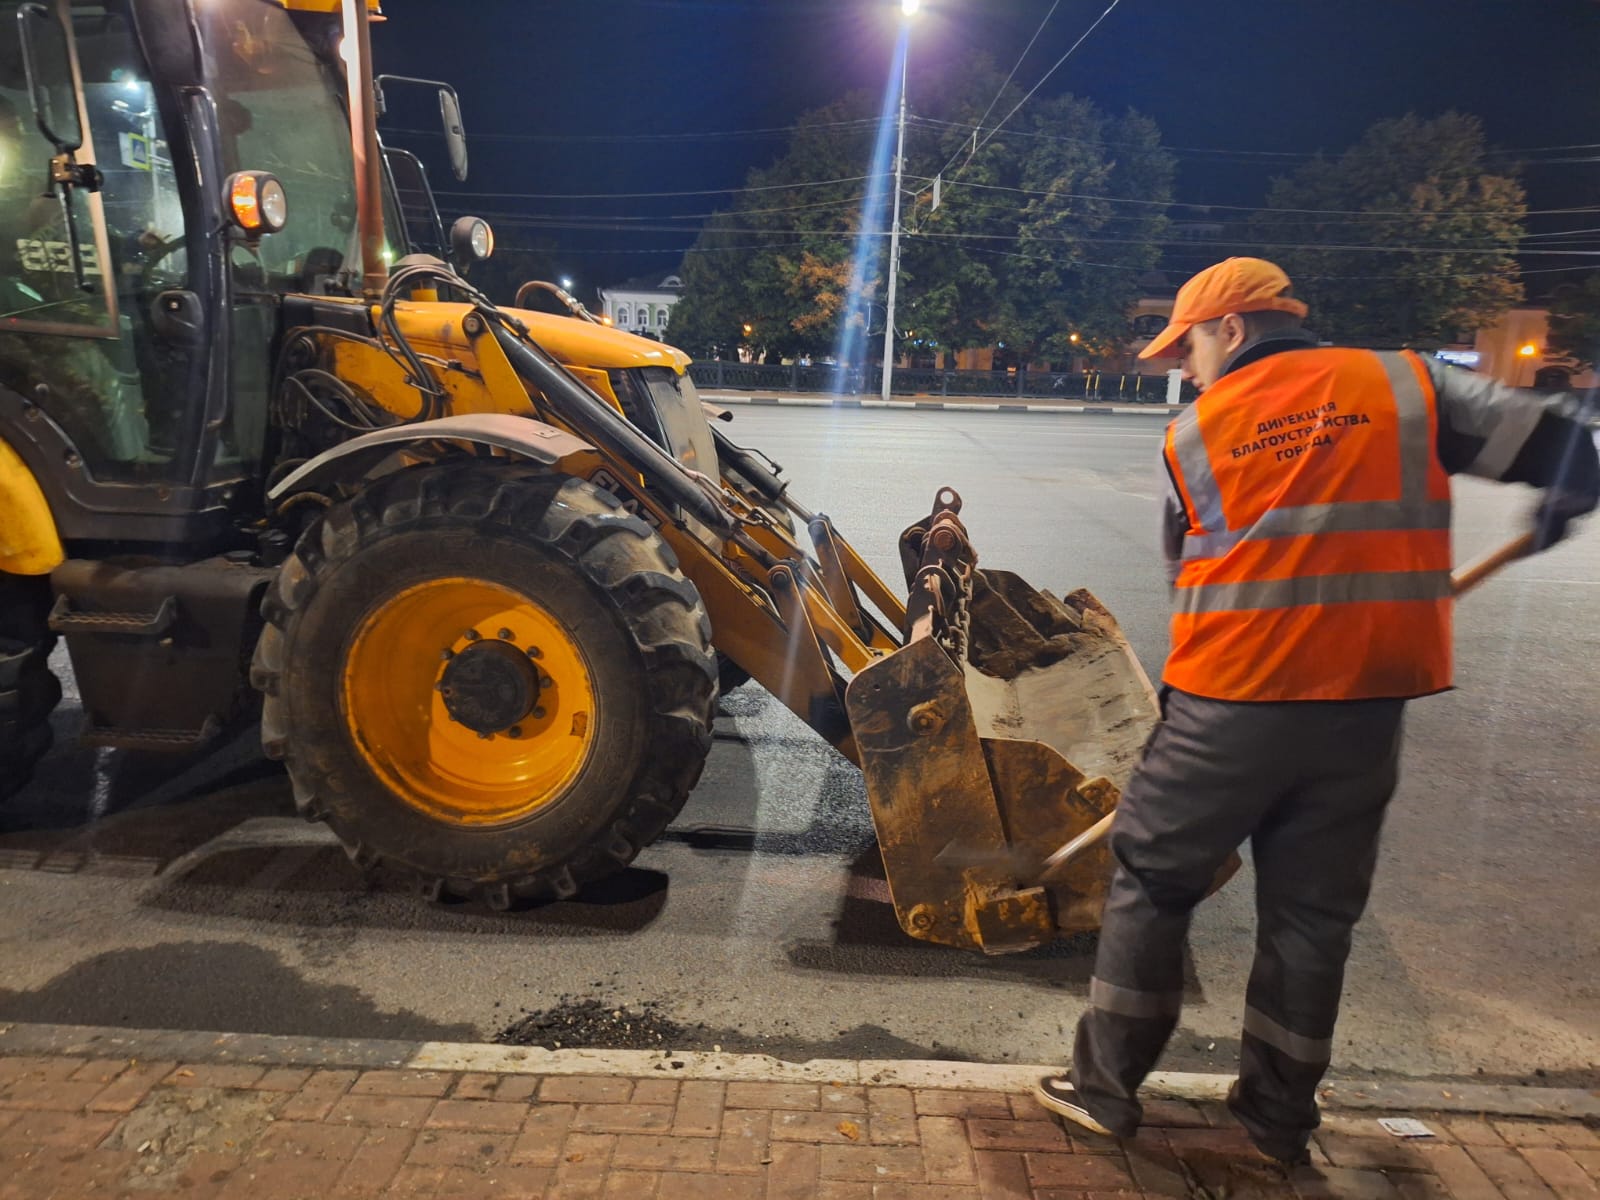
[
  {"x": 1469, "y": 577},
  {"x": 1030, "y": 867}
]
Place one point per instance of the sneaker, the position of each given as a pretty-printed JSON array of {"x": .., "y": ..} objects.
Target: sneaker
[{"x": 1057, "y": 1094}]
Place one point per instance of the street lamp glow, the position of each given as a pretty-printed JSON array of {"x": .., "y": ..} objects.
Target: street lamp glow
[
  {"x": 1527, "y": 349},
  {"x": 909, "y": 7},
  {"x": 566, "y": 283}
]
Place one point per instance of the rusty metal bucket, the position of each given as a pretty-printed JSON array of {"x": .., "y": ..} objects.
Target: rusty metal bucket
[{"x": 1008, "y": 724}]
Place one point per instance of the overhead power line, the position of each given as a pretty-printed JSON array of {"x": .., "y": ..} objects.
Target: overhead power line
[
  {"x": 1282, "y": 217},
  {"x": 851, "y": 202},
  {"x": 1008, "y": 79},
  {"x": 1334, "y": 212},
  {"x": 1524, "y": 152},
  {"x": 993, "y": 187},
  {"x": 771, "y": 187},
  {"x": 1001, "y": 122},
  {"x": 710, "y": 135},
  {"x": 1323, "y": 247},
  {"x": 799, "y": 236},
  {"x": 999, "y": 253}
]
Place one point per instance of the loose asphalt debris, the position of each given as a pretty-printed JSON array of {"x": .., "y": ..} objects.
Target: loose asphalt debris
[{"x": 589, "y": 1023}]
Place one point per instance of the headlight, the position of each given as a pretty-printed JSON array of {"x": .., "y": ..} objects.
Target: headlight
[
  {"x": 274, "y": 204},
  {"x": 471, "y": 239},
  {"x": 257, "y": 202}
]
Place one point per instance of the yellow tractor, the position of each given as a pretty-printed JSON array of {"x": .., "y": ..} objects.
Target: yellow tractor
[{"x": 478, "y": 568}]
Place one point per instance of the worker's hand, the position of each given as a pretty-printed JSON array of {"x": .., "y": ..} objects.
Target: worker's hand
[{"x": 1556, "y": 511}]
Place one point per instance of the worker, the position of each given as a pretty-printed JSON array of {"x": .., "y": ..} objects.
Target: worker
[{"x": 1308, "y": 541}]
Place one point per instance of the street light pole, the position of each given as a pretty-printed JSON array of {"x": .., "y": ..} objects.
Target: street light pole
[{"x": 907, "y": 8}]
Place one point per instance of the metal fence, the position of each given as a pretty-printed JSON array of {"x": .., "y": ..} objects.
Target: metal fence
[{"x": 1108, "y": 386}]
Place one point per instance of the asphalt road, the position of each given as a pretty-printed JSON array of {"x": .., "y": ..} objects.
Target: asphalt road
[{"x": 195, "y": 900}]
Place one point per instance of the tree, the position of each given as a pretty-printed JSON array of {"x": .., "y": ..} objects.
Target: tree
[
  {"x": 1045, "y": 228},
  {"x": 1042, "y": 230},
  {"x": 1407, "y": 237},
  {"x": 1092, "y": 227},
  {"x": 779, "y": 259},
  {"x": 1575, "y": 322}
]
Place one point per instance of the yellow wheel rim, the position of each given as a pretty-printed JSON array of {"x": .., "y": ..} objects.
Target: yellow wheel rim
[{"x": 413, "y": 737}]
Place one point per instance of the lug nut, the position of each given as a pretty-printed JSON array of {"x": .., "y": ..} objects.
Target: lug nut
[
  {"x": 539, "y": 713},
  {"x": 506, "y": 635},
  {"x": 535, "y": 652},
  {"x": 472, "y": 635},
  {"x": 515, "y": 731},
  {"x": 487, "y": 737}
]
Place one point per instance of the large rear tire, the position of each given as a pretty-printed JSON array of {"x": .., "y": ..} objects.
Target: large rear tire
[
  {"x": 29, "y": 691},
  {"x": 492, "y": 679}
]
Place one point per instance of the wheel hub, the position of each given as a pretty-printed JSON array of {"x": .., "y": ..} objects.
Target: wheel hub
[{"x": 489, "y": 686}]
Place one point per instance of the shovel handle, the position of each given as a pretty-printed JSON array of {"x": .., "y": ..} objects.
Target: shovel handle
[
  {"x": 1084, "y": 842},
  {"x": 1470, "y": 576}
]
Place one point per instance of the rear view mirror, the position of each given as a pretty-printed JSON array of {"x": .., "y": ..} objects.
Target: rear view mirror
[
  {"x": 455, "y": 135},
  {"x": 48, "y": 62}
]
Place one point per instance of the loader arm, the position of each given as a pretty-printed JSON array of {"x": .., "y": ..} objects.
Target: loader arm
[
  {"x": 984, "y": 714},
  {"x": 775, "y": 611}
]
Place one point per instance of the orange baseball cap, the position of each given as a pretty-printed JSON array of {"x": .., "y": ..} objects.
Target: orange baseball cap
[{"x": 1235, "y": 285}]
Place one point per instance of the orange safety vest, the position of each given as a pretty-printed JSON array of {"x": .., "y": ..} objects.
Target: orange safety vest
[{"x": 1316, "y": 565}]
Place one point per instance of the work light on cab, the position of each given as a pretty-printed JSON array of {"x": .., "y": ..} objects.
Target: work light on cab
[
  {"x": 471, "y": 239},
  {"x": 257, "y": 203}
]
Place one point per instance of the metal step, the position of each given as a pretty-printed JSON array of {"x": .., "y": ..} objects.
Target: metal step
[
  {"x": 172, "y": 740},
  {"x": 65, "y": 619}
]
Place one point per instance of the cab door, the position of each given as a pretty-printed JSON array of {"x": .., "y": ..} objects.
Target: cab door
[{"x": 108, "y": 388}]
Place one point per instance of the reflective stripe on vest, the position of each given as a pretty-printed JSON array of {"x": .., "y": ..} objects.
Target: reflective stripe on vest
[
  {"x": 1314, "y": 589},
  {"x": 1413, "y": 510},
  {"x": 1342, "y": 591}
]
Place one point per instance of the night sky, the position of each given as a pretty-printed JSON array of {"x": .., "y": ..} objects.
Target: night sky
[{"x": 653, "y": 96}]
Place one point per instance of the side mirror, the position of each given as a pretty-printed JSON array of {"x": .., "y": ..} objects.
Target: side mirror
[
  {"x": 455, "y": 135},
  {"x": 48, "y": 62}
]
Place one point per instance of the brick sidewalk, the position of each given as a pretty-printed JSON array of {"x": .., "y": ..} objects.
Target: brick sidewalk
[{"x": 73, "y": 1127}]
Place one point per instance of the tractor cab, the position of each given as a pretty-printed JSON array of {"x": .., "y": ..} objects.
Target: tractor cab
[{"x": 140, "y": 276}]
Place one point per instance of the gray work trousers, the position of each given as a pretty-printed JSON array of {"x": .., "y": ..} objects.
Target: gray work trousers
[{"x": 1307, "y": 785}]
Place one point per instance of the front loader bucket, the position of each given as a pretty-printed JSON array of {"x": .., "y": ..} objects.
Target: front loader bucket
[{"x": 1008, "y": 724}]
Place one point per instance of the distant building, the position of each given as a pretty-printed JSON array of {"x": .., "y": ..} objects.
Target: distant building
[
  {"x": 1513, "y": 350},
  {"x": 642, "y": 305}
]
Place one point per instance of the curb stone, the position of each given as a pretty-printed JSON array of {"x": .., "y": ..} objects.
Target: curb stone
[
  {"x": 369, "y": 1053},
  {"x": 985, "y": 405}
]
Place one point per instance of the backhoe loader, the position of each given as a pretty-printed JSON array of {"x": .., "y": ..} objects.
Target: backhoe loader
[{"x": 478, "y": 569}]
